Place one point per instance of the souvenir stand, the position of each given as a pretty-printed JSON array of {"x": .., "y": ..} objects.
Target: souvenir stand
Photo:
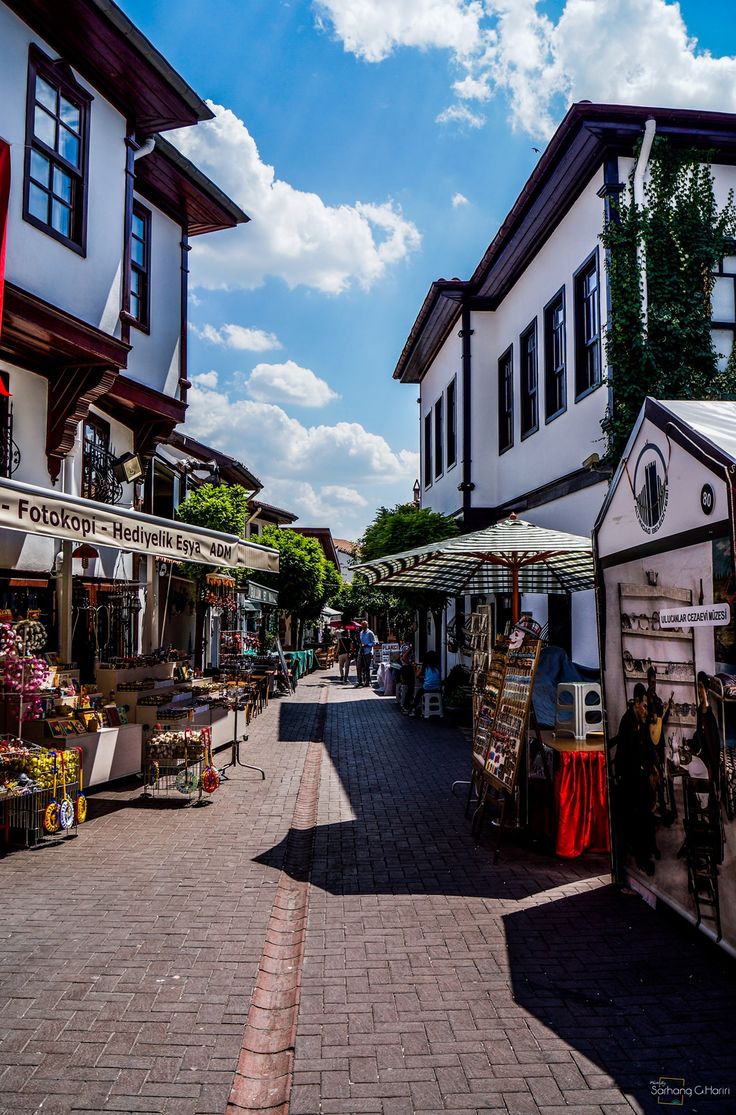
[
  {"x": 179, "y": 763},
  {"x": 664, "y": 547},
  {"x": 501, "y": 725}
]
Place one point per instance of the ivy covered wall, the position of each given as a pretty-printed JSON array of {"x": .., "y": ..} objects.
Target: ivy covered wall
[{"x": 684, "y": 236}]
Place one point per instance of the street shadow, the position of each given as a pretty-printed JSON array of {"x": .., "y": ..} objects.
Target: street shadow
[{"x": 621, "y": 985}]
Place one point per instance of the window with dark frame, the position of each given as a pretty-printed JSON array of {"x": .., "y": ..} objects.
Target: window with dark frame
[
  {"x": 587, "y": 328},
  {"x": 140, "y": 266},
  {"x": 723, "y": 309},
  {"x": 528, "y": 380},
  {"x": 506, "y": 401},
  {"x": 451, "y": 423},
  {"x": 98, "y": 481},
  {"x": 439, "y": 439},
  {"x": 428, "y": 474},
  {"x": 55, "y": 183},
  {"x": 555, "y": 371}
]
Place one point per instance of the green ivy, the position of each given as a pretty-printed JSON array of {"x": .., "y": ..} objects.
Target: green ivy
[{"x": 684, "y": 236}]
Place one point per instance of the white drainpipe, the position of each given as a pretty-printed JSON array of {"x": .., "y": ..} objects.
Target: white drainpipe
[{"x": 650, "y": 128}]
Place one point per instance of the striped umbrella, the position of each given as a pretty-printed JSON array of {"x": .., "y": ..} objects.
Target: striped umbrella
[{"x": 512, "y": 556}]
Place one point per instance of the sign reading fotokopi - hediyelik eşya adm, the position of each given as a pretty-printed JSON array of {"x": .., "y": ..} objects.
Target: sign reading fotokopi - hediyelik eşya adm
[{"x": 55, "y": 514}]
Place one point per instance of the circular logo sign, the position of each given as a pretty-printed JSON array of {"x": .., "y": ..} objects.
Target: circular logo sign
[
  {"x": 707, "y": 499},
  {"x": 650, "y": 488}
]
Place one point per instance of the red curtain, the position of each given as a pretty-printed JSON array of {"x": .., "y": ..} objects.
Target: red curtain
[
  {"x": 580, "y": 798},
  {"x": 4, "y": 195}
]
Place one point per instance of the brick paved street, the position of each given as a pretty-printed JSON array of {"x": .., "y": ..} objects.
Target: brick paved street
[{"x": 431, "y": 981}]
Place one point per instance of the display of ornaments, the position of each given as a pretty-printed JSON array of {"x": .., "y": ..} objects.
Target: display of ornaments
[
  {"x": 31, "y": 633},
  {"x": 9, "y": 642}
]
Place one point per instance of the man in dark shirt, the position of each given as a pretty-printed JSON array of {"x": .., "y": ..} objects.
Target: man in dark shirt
[{"x": 635, "y": 768}]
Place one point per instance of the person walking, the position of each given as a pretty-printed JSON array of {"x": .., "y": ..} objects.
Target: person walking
[
  {"x": 344, "y": 650},
  {"x": 367, "y": 642}
]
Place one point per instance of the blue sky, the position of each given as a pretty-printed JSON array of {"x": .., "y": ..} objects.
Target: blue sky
[{"x": 377, "y": 145}]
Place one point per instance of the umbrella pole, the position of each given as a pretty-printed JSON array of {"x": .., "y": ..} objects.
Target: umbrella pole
[{"x": 515, "y": 597}]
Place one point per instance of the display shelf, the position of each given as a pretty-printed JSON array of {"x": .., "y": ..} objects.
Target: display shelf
[
  {"x": 657, "y": 634},
  {"x": 663, "y": 679},
  {"x": 664, "y": 592}
]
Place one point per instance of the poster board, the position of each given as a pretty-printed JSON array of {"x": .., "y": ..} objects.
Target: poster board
[
  {"x": 501, "y": 724},
  {"x": 283, "y": 663}
]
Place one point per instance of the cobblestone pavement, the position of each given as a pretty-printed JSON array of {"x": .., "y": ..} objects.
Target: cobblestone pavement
[{"x": 139, "y": 960}]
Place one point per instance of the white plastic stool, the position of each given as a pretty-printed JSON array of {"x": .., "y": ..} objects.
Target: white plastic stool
[{"x": 432, "y": 705}]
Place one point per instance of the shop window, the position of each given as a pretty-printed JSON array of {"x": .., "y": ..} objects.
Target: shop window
[
  {"x": 555, "y": 371},
  {"x": 723, "y": 310},
  {"x": 98, "y": 480},
  {"x": 439, "y": 438},
  {"x": 428, "y": 450},
  {"x": 506, "y": 401},
  {"x": 528, "y": 380},
  {"x": 140, "y": 267},
  {"x": 587, "y": 327},
  {"x": 57, "y": 126},
  {"x": 9, "y": 451},
  {"x": 451, "y": 423}
]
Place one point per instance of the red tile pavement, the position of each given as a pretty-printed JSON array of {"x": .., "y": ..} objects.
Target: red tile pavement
[{"x": 427, "y": 980}]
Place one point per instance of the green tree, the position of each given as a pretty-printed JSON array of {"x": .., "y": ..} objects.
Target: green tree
[
  {"x": 403, "y": 528},
  {"x": 684, "y": 236},
  {"x": 306, "y": 580},
  {"x": 222, "y": 507}
]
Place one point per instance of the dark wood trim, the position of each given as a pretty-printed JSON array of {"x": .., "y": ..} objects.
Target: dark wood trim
[
  {"x": 721, "y": 529},
  {"x": 32, "y": 328},
  {"x": 555, "y": 489},
  {"x": 184, "y": 383},
  {"x": 71, "y": 392},
  {"x": 142, "y": 401},
  {"x": 125, "y": 322}
]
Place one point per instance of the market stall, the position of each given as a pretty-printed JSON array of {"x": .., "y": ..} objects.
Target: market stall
[{"x": 664, "y": 545}]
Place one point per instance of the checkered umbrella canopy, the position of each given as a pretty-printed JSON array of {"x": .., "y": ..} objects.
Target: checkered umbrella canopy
[{"x": 512, "y": 556}]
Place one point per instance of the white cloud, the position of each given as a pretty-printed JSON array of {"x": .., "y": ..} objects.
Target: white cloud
[
  {"x": 618, "y": 51},
  {"x": 372, "y": 29},
  {"x": 288, "y": 383},
  {"x": 460, "y": 114},
  {"x": 458, "y": 200},
  {"x": 237, "y": 337},
  {"x": 345, "y": 462},
  {"x": 293, "y": 235},
  {"x": 205, "y": 379}
]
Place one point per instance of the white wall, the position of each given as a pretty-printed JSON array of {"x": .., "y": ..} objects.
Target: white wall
[
  {"x": 559, "y": 447},
  {"x": 442, "y": 495},
  {"x": 88, "y": 288},
  {"x": 155, "y": 356}
]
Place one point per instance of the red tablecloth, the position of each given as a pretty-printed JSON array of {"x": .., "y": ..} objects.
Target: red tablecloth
[{"x": 581, "y": 804}]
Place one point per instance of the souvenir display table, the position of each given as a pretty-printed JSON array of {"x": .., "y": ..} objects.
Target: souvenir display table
[
  {"x": 580, "y": 797},
  {"x": 301, "y": 661}
]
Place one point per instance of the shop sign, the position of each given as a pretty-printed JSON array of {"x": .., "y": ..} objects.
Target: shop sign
[
  {"x": 44, "y": 512},
  {"x": 261, "y": 595},
  {"x": 702, "y": 615},
  {"x": 650, "y": 488}
]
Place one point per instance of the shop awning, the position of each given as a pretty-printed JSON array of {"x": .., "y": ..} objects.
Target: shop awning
[{"x": 43, "y": 511}]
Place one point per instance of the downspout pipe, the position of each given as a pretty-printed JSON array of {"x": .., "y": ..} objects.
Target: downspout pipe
[
  {"x": 466, "y": 486},
  {"x": 650, "y": 128},
  {"x": 145, "y": 149}
]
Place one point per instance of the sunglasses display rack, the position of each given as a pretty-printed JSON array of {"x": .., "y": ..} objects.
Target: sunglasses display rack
[
  {"x": 645, "y": 643},
  {"x": 503, "y": 717},
  {"x": 481, "y": 635},
  {"x": 488, "y": 702}
]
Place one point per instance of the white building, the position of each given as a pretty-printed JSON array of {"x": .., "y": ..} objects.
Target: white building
[
  {"x": 94, "y": 325},
  {"x": 511, "y": 365}
]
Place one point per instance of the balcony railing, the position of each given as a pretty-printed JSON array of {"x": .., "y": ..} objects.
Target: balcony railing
[
  {"x": 9, "y": 451},
  {"x": 98, "y": 480}
]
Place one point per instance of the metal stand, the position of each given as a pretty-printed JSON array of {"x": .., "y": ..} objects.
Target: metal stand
[{"x": 235, "y": 757}]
